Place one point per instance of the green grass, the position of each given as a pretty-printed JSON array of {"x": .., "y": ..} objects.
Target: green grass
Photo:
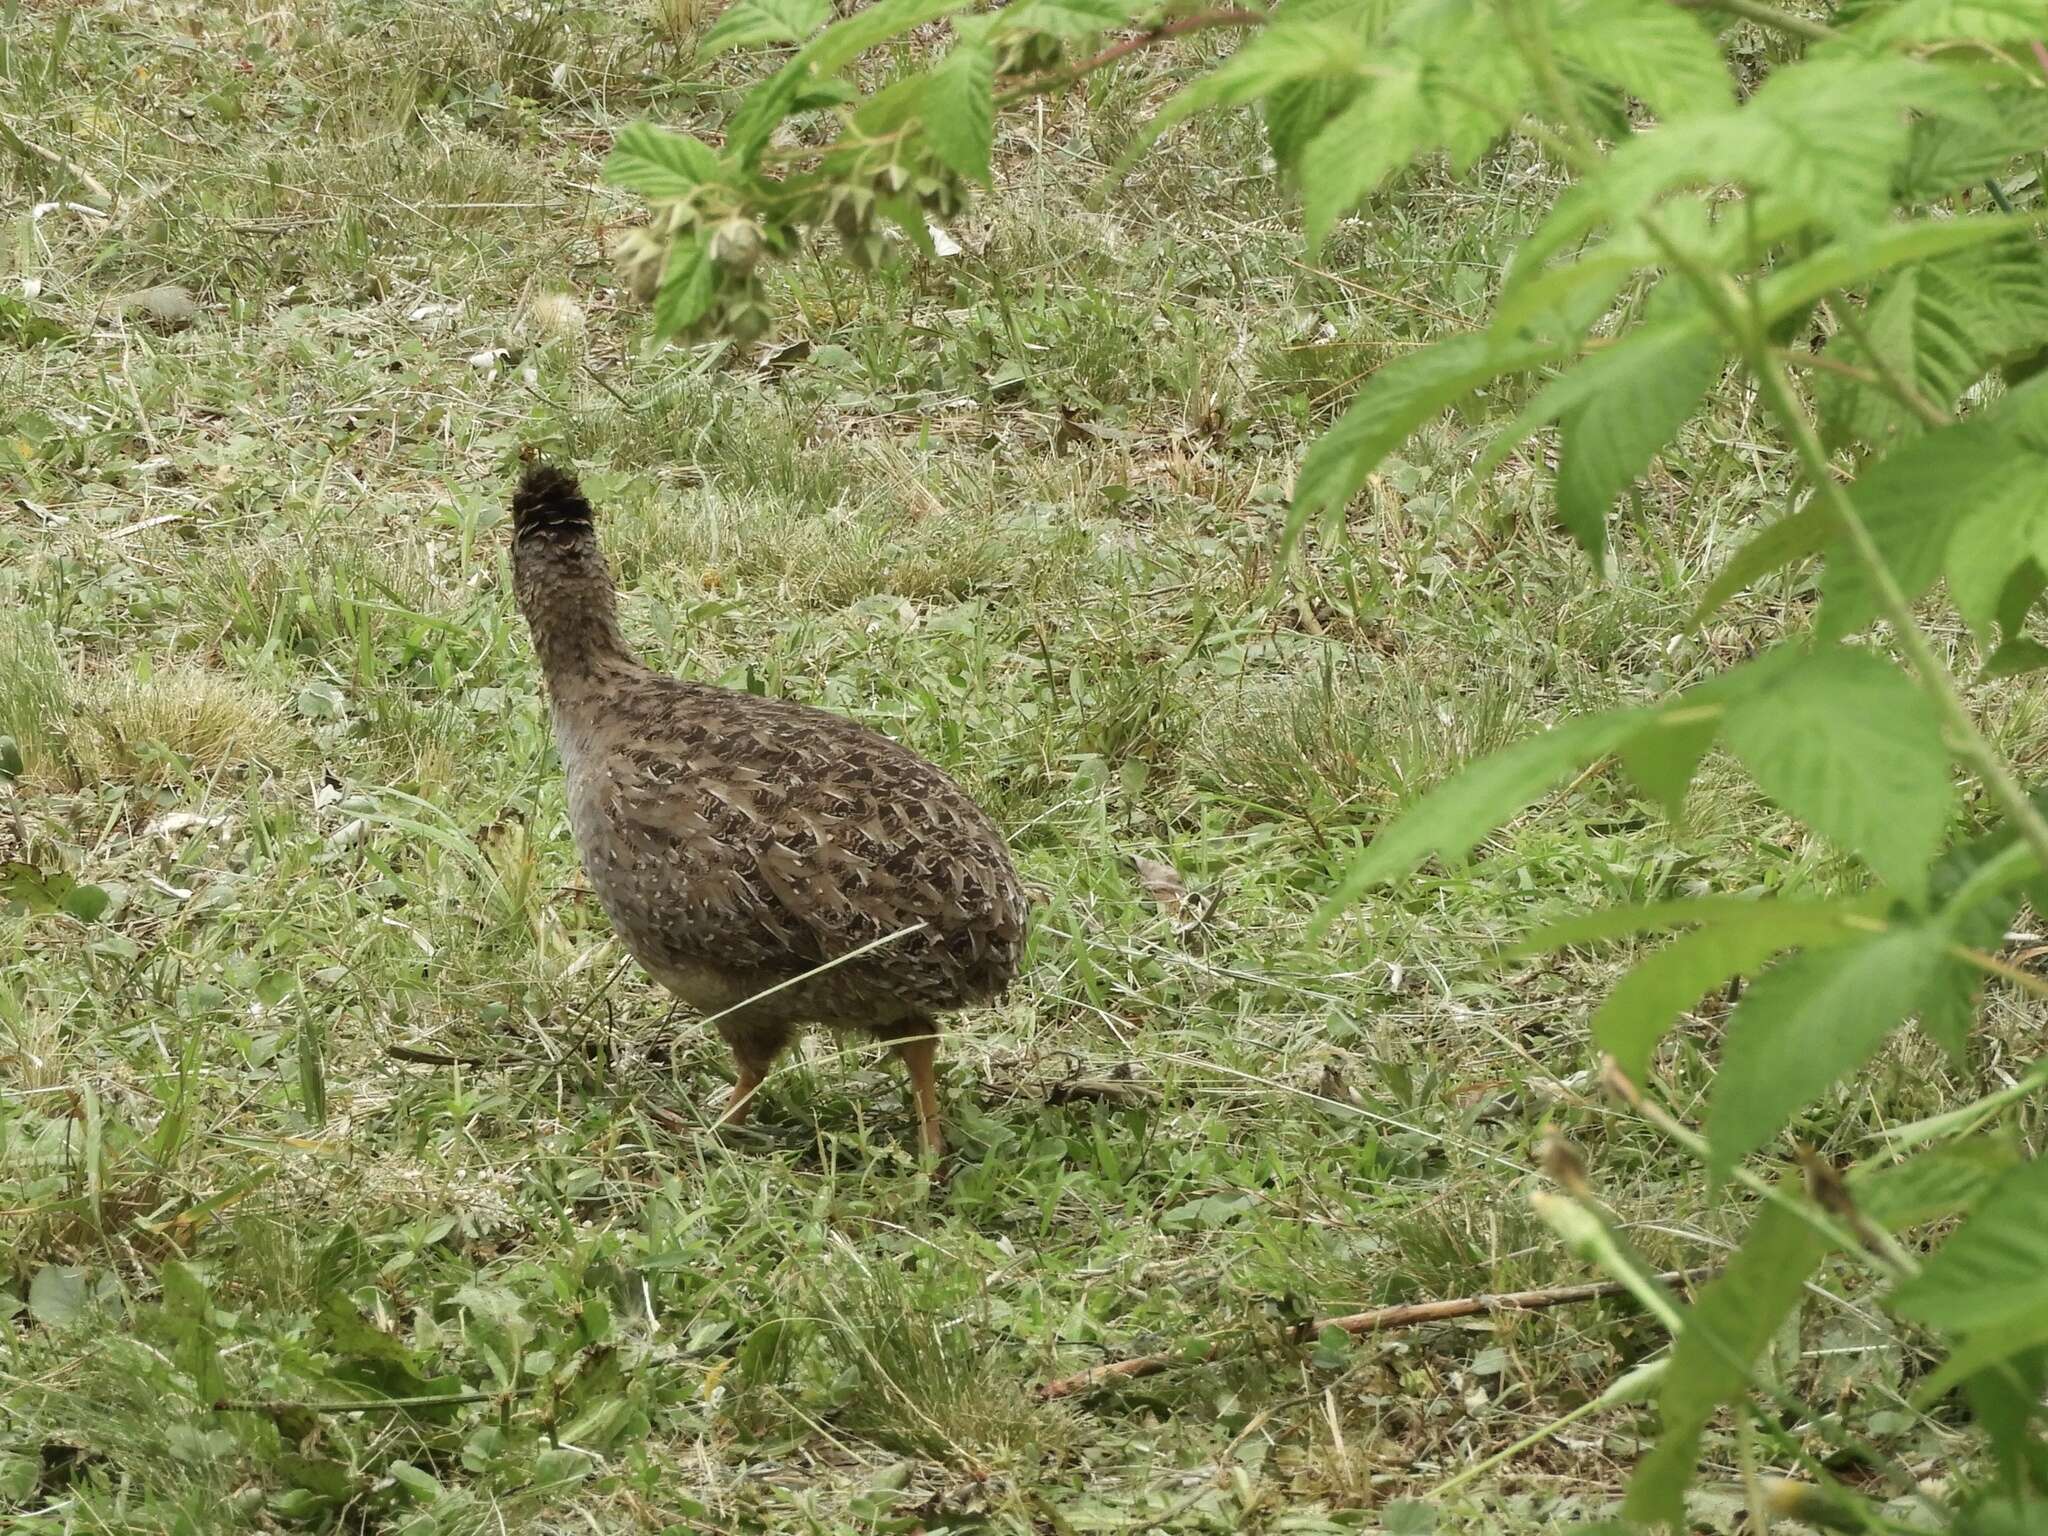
[{"x": 271, "y": 697}]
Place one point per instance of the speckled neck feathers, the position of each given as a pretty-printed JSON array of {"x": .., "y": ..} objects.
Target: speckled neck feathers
[{"x": 562, "y": 583}]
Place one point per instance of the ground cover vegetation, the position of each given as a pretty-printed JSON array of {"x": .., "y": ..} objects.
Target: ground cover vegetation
[{"x": 1209, "y": 434}]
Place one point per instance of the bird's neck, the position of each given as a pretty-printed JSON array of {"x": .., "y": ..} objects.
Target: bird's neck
[{"x": 565, "y": 592}]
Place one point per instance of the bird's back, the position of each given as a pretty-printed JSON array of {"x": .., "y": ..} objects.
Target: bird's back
[{"x": 737, "y": 842}]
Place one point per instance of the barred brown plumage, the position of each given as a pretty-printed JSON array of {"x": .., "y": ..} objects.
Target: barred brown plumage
[{"x": 739, "y": 843}]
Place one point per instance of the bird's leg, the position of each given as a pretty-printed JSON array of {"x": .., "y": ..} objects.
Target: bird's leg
[
  {"x": 754, "y": 1049},
  {"x": 742, "y": 1100},
  {"x": 919, "y": 1056}
]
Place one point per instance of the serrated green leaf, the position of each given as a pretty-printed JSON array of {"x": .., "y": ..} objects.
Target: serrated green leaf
[
  {"x": 1786, "y": 541},
  {"x": 1385, "y": 125},
  {"x": 1941, "y": 326},
  {"x": 1645, "y": 1003},
  {"x": 1398, "y": 398},
  {"x": 1654, "y": 50},
  {"x": 1930, "y": 1185},
  {"x": 1292, "y": 50},
  {"x": 658, "y": 163},
  {"x": 959, "y": 110},
  {"x": 1625, "y": 922},
  {"x": 1937, "y": 21},
  {"x": 765, "y": 106},
  {"x": 851, "y": 36},
  {"x": 2004, "y": 528},
  {"x": 750, "y": 23},
  {"x": 1067, "y": 18},
  {"x": 1722, "y": 1334},
  {"x": 1845, "y": 741},
  {"x": 1664, "y": 755},
  {"x": 1948, "y": 154},
  {"x": 686, "y": 287},
  {"x": 1994, "y": 1269},
  {"x": 1452, "y": 818},
  {"x": 1910, "y": 501},
  {"x": 1808, "y": 136},
  {"x": 1649, "y": 384},
  {"x": 1806, "y": 1022}
]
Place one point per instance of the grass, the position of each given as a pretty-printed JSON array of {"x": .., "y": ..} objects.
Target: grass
[{"x": 273, "y": 702}]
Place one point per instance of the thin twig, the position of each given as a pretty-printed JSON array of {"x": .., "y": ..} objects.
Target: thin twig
[
  {"x": 1408, "y": 1314},
  {"x": 1201, "y": 21}
]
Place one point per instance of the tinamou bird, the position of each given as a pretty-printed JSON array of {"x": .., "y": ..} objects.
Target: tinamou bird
[{"x": 771, "y": 864}]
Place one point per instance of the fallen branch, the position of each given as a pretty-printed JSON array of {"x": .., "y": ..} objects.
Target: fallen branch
[{"x": 1377, "y": 1320}]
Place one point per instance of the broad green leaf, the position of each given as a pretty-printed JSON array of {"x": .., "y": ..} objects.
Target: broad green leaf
[
  {"x": 659, "y": 164},
  {"x": 851, "y": 36},
  {"x": 1067, "y": 18},
  {"x": 1929, "y": 1185},
  {"x": 1808, "y": 135},
  {"x": 686, "y": 287},
  {"x": 1664, "y": 755},
  {"x": 1806, "y": 919},
  {"x": 1981, "y": 1349},
  {"x": 1940, "y": 325},
  {"x": 1721, "y": 1336},
  {"x": 959, "y": 110},
  {"x": 1910, "y": 501},
  {"x": 1994, "y": 1270},
  {"x": 1784, "y": 542},
  {"x": 1385, "y": 126},
  {"x": 1649, "y": 384},
  {"x": 1936, "y": 21},
  {"x": 1858, "y": 258},
  {"x": 750, "y": 23},
  {"x": 1648, "y": 1000},
  {"x": 1456, "y": 815},
  {"x": 765, "y": 106},
  {"x": 2015, "y": 658},
  {"x": 1656, "y": 51},
  {"x": 1948, "y": 154},
  {"x": 2003, "y": 533},
  {"x": 1398, "y": 398},
  {"x": 1845, "y": 741},
  {"x": 1289, "y": 52},
  {"x": 1806, "y": 1022}
]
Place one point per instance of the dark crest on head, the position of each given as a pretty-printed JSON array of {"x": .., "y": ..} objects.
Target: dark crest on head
[{"x": 549, "y": 501}]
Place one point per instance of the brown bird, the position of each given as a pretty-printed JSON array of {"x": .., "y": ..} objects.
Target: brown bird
[{"x": 771, "y": 864}]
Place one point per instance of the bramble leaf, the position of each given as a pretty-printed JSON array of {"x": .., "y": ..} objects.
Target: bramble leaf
[
  {"x": 1645, "y": 1002},
  {"x": 1994, "y": 1269},
  {"x": 1452, "y": 818},
  {"x": 1806, "y": 1022},
  {"x": 659, "y": 163},
  {"x": 1845, "y": 741},
  {"x": 1655, "y": 50},
  {"x": 686, "y": 287},
  {"x": 750, "y": 23},
  {"x": 959, "y": 110},
  {"x": 1723, "y": 1331}
]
